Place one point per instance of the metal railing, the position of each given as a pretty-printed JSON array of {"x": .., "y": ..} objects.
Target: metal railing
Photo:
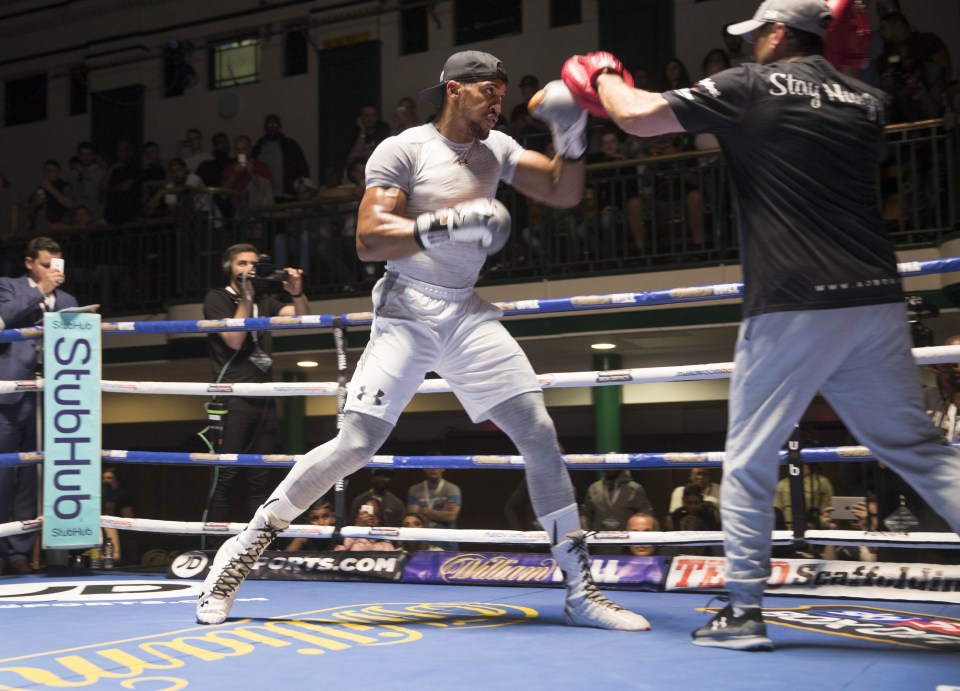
[{"x": 637, "y": 215}]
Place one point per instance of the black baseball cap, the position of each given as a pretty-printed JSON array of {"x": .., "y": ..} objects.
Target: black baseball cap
[{"x": 466, "y": 66}]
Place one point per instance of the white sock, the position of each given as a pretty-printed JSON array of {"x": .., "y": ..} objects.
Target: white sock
[
  {"x": 281, "y": 507},
  {"x": 560, "y": 522}
]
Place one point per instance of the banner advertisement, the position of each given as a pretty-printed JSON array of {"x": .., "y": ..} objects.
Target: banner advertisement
[
  {"x": 820, "y": 578},
  {"x": 493, "y": 568},
  {"x": 71, "y": 430},
  {"x": 303, "y": 566}
]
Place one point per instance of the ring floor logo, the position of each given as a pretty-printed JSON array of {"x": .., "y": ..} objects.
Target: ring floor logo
[
  {"x": 189, "y": 565},
  {"x": 911, "y": 629},
  {"x": 80, "y": 593},
  {"x": 123, "y": 664}
]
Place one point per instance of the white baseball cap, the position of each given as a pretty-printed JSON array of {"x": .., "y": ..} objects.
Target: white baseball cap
[{"x": 812, "y": 16}]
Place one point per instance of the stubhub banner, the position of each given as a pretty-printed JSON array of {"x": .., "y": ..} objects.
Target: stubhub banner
[{"x": 71, "y": 430}]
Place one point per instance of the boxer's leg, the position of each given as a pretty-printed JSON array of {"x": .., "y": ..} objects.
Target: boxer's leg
[
  {"x": 307, "y": 481},
  {"x": 525, "y": 420}
]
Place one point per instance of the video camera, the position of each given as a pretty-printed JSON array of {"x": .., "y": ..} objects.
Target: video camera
[{"x": 266, "y": 277}]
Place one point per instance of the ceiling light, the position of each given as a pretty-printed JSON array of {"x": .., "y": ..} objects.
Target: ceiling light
[
  {"x": 603, "y": 346},
  {"x": 308, "y": 363}
]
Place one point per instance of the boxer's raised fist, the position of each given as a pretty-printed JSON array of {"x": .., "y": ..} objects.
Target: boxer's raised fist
[
  {"x": 580, "y": 74},
  {"x": 554, "y": 104}
]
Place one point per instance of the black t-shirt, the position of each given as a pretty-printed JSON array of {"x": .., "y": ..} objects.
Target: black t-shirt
[
  {"x": 114, "y": 499},
  {"x": 56, "y": 211},
  {"x": 803, "y": 143},
  {"x": 123, "y": 206},
  {"x": 221, "y": 303}
]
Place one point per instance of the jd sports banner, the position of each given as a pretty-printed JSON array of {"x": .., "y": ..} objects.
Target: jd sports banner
[
  {"x": 303, "y": 566},
  {"x": 71, "y": 430}
]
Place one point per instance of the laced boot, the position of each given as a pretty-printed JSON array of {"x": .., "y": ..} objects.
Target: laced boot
[
  {"x": 585, "y": 605},
  {"x": 232, "y": 564}
]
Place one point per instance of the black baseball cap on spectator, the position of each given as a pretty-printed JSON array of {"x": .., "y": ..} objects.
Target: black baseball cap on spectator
[{"x": 466, "y": 66}]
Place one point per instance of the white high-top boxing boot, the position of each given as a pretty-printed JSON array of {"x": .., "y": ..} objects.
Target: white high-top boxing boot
[
  {"x": 232, "y": 564},
  {"x": 585, "y": 605}
]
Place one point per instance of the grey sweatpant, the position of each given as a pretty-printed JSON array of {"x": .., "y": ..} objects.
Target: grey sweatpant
[{"x": 859, "y": 359}]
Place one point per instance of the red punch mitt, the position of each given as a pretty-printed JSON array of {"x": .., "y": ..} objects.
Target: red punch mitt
[
  {"x": 847, "y": 44},
  {"x": 580, "y": 74}
]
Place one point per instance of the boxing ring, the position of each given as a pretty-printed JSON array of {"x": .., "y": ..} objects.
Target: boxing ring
[{"x": 836, "y": 625}]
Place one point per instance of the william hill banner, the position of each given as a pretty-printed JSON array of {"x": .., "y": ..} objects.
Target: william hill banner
[
  {"x": 494, "y": 568},
  {"x": 71, "y": 430}
]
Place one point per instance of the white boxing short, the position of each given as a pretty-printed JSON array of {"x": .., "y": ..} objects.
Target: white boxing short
[{"x": 420, "y": 328}]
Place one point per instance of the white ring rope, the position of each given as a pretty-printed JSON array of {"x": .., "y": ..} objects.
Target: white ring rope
[
  {"x": 557, "y": 380},
  {"x": 516, "y": 537}
]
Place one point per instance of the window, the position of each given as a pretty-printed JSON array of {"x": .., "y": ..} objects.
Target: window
[
  {"x": 565, "y": 13},
  {"x": 414, "y": 33},
  {"x": 296, "y": 46},
  {"x": 481, "y": 21},
  {"x": 235, "y": 62},
  {"x": 25, "y": 100}
]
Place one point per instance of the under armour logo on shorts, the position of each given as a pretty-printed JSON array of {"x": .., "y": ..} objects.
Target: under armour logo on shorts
[{"x": 376, "y": 397}]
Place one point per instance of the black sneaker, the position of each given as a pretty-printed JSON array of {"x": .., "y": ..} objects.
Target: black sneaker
[{"x": 726, "y": 630}]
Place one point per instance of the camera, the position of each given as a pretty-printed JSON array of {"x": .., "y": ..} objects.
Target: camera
[{"x": 266, "y": 277}]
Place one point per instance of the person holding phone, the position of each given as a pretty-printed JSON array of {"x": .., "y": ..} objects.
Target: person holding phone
[
  {"x": 181, "y": 192},
  {"x": 23, "y": 302},
  {"x": 392, "y": 508},
  {"x": 855, "y": 515},
  {"x": 367, "y": 516},
  {"x": 51, "y": 201},
  {"x": 248, "y": 175}
]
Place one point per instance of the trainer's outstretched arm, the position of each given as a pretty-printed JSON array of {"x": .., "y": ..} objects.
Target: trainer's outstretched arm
[{"x": 638, "y": 112}]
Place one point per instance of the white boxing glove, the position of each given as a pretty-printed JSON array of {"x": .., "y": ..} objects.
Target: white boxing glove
[
  {"x": 481, "y": 222},
  {"x": 554, "y": 105}
]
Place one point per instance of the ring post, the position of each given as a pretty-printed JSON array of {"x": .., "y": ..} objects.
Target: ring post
[
  {"x": 607, "y": 404},
  {"x": 71, "y": 430}
]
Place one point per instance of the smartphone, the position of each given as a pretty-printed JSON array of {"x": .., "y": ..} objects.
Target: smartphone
[
  {"x": 56, "y": 263},
  {"x": 843, "y": 507},
  {"x": 366, "y": 508},
  {"x": 242, "y": 159}
]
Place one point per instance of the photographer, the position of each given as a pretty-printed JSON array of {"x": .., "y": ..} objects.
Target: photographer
[{"x": 250, "y": 424}]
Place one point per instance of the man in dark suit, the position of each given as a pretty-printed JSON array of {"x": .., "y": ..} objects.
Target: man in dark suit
[{"x": 23, "y": 302}]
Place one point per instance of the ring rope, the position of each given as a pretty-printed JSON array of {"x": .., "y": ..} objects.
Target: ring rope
[
  {"x": 585, "y": 461},
  {"x": 721, "y": 291},
  {"x": 556, "y": 380},
  {"x": 688, "y": 538}
]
